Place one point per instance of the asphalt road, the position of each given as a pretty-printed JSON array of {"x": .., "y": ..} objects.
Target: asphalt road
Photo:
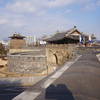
[{"x": 80, "y": 82}]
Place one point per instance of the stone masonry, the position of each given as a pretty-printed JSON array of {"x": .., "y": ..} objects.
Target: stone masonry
[
  {"x": 39, "y": 59},
  {"x": 27, "y": 62}
]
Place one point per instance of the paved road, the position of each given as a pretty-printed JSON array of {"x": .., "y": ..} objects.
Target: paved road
[{"x": 80, "y": 82}]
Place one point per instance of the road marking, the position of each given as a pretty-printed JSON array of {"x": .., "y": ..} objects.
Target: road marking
[
  {"x": 58, "y": 73},
  {"x": 98, "y": 56},
  {"x": 27, "y": 96},
  {"x": 55, "y": 76}
]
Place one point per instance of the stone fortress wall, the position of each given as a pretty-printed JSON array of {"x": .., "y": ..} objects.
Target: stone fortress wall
[
  {"x": 28, "y": 61},
  {"x": 58, "y": 54},
  {"x": 38, "y": 59},
  {"x": 14, "y": 43}
]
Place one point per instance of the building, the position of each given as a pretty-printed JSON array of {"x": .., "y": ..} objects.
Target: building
[
  {"x": 31, "y": 40},
  {"x": 69, "y": 37},
  {"x": 17, "y": 41},
  {"x": 5, "y": 43}
]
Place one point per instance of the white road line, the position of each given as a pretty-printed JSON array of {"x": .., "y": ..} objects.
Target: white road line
[
  {"x": 55, "y": 76},
  {"x": 98, "y": 56},
  {"x": 27, "y": 96},
  {"x": 58, "y": 73}
]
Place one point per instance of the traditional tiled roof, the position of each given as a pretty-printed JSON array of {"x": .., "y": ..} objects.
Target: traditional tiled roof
[
  {"x": 62, "y": 35},
  {"x": 18, "y": 36}
]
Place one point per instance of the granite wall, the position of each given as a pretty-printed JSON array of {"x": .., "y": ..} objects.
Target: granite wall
[
  {"x": 58, "y": 54},
  {"x": 27, "y": 62},
  {"x": 40, "y": 59}
]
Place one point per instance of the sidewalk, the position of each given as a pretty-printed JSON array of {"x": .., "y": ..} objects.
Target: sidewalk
[{"x": 80, "y": 81}]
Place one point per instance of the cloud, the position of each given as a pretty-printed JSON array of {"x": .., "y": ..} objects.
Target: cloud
[
  {"x": 89, "y": 7},
  {"x": 12, "y": 20},
  {"x": 68, "y": 11},
  {"x": 36, "y": 25},
  {"x": 57, "y": 3},
  {"x": 21, "y": 7},
  {"x": 35, "y": 6},
  {"x": 62, "y": 3},
  {"x": 39, "y": 8},
  {"x": 38, "y": 16},
  {"x": 3, "y": 21}
]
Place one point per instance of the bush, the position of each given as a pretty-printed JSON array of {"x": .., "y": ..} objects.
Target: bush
[{"x": 3, "y": 51}]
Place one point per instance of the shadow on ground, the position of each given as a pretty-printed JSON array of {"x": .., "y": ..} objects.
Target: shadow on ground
[
  {"x": 8, "y": 89},
  {"x": 59, "y": 92}
]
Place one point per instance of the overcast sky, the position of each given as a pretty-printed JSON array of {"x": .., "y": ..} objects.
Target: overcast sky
[{"x": 39, "y": 17}]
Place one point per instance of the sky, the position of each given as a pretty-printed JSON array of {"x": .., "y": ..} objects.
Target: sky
[{"x": 45, "y": 17}]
